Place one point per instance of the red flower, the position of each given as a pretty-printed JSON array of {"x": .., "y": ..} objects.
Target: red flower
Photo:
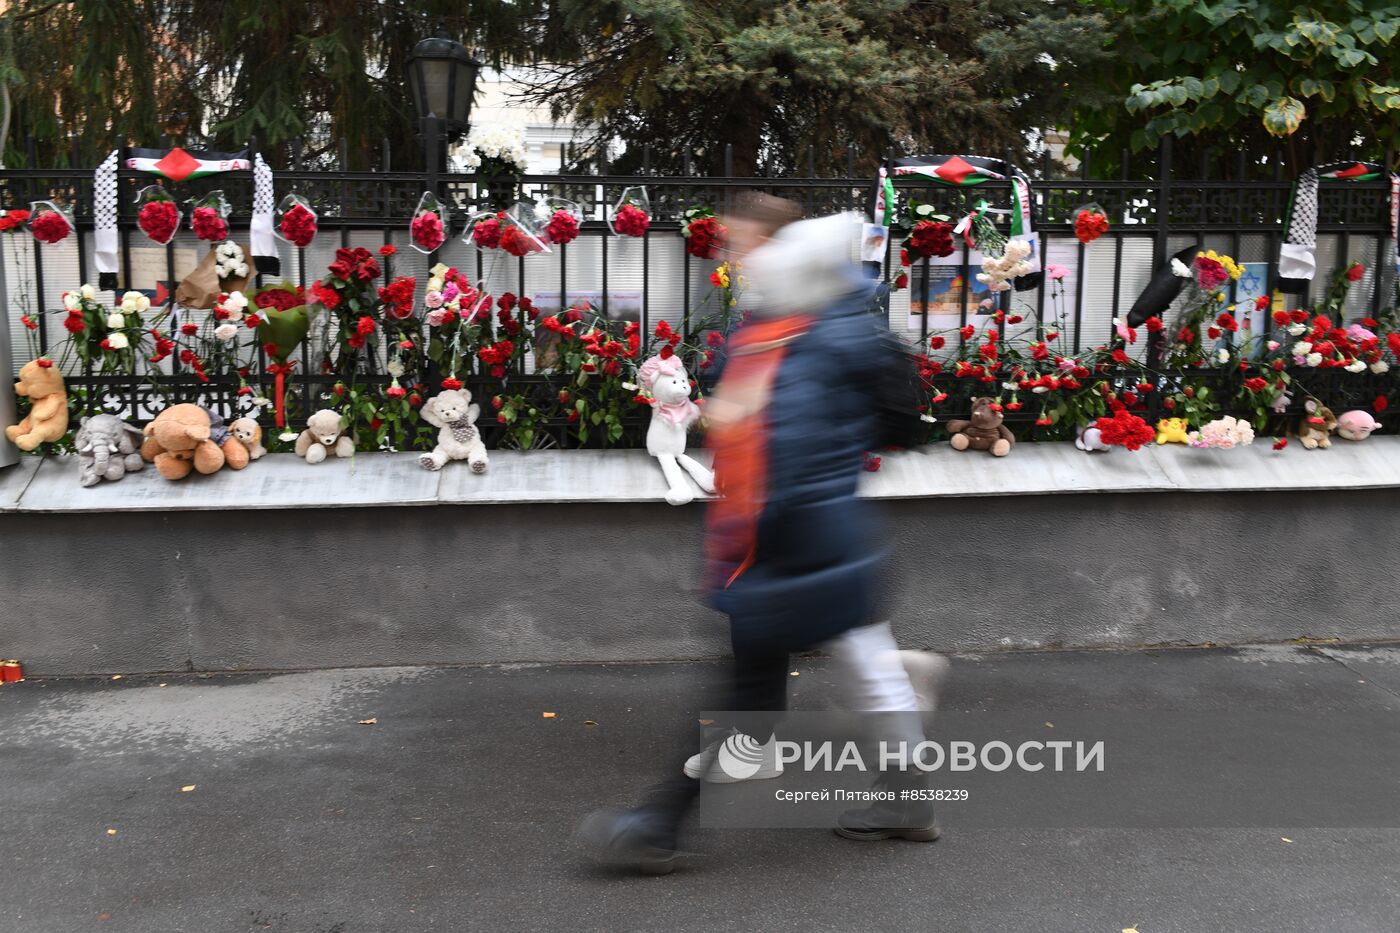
[
  {"x": 354, "y": 265},
  {"x": 705, "y": 237},
  {"x": 936, "y": 342},
  {"x": 573, "y": 416},
  {"x": 631, "y": 220},
  {"x": 931, "y": 238},
  {"x": 1280, "y": 317},
  {"x": 279, "y": 298},
  {"x": 427, "y": 231},
  {"x": 388, "y": 249},
  {"x": 1185, "y": 335},
  {"x": 486, "y": 234},
  {"x": 396, "y": 391},
  {"x": 517, "y": 242},
  {"x": 901, "y": 281},
  {"x": 1228, "y": 322},
  {"x": 338, "y": 390},
  {"x": 967, "y": 331},
  {"x": 1380, "y": 403},
  {"x": 871, "y": 463},
  {"x": 328, "y": 297},
  {"x": 49, "y": 227},
  {"x": 1090, "y": 225},
  {"x": 562, "y": 228},
  {"x": 1213, "y": 332},
  {"x": 666, "y": 352},
  {"x": 1125, "y": 430},
  {"x": 43, "y": 362},
  {"x": 29, "y": 322},
  {"x": 365, "y": 325},
  {"x": 252, "y": 320},
  {"x": 1355, "y": 271},
  {"x": 189, "y": 329},
  {"x": 1281, "y": 443},
  {"x": 158, "y": 220},
  {"x": 451, "y": 382},
  {"x": 1044, "y": 421},
  {"x": 1120, "y": 357},
  {"x": 398, "y": 297},
  {"x": 1209, "y": 272},
  {"x": 13, "y": 220},
  {"x": 299, "y": 225},
  {"x": 209, "y": 224},
  {"x": 415, "y": 399},
  {"x": 1256, "y": 384}
]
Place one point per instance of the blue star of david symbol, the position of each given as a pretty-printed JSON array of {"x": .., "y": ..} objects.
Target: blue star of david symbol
[{"x": 1250, "y": 283}]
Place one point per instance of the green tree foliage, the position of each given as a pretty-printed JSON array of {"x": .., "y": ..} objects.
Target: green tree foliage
[
  {"x": 1240, "y": 75},
  {"x": 772, "y": 77}
]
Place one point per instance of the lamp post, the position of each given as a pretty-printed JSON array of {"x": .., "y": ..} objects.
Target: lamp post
[{"x": 442, "y": 78}]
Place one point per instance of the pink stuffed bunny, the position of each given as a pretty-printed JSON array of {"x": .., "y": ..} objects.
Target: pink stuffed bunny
[{"x": 672, "y": 414}]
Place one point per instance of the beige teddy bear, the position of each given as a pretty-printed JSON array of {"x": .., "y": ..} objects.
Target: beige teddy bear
[
  {"x": 47, "y": 420},
  {"x": 249, "y": 432},
  {"x": 323, "y": 436}
]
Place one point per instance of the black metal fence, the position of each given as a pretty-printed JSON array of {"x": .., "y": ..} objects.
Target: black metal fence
[{"x": 1151, "y": 217}]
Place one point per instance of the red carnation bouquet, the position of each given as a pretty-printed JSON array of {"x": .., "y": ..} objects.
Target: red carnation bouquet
[
  {"x": 158, "y": 217},
  {"x": 516, "y": 241},
  {"x": 48, "y": 222},
  {"x": 209, "y": 218},
  {"x": 1090, "y": 223},
  {"x": 486, "y": 230},
  {"x": 13, "y": 219},
  {"x": 704, "y": 235},
  {"x": 1125, "y": 429},
  {"x": 298, "y": 223}
]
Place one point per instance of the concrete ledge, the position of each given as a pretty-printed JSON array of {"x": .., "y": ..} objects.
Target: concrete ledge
[{"x": 283, "y": 481}]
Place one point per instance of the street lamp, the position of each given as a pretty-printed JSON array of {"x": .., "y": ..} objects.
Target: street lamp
[{"x": 442, "y": 76}]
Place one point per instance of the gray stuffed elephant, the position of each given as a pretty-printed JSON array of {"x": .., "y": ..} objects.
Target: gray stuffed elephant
[{"x": 108, "y": 448}]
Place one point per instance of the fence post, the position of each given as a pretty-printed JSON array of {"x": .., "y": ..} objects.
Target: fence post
[
  {"x": 9, "y": 411},
  {"x": 1160, "y": 241}
]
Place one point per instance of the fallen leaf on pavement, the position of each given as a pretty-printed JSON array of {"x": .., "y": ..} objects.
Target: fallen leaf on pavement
[
  {"x": 372, "y": 721},
  {"x": 793, "y": 674},
  {"x": 1049, "y": 725},
  {"x": 1285, "y": 839},
  {"x": 116, "y": 676},
  {"x": 589, "y": 722},
  {"x": 1131, "y": 929},
  {"x": 547, "y": 715},
  {"x": 104, "y": 916},
  {"x": 111, "y": 832},
  {"x": 707, "y": 722},
  {"x": 187, "y": 788}
]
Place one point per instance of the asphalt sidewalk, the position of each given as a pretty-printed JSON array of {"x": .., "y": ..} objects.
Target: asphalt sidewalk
[{"x": 263, "y": 802}]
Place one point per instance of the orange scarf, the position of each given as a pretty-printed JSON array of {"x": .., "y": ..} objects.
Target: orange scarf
[{"x": 738, "y": 433}]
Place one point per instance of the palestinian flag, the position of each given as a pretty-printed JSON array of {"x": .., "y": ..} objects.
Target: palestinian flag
[
  {"x": 1356, "y": 171},
  {"x": 178, "y": 165}
]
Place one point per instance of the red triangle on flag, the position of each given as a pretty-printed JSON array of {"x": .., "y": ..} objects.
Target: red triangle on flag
[
  {"x": 1355, "y": 170},
  {"x": 955, "y": 171},
  {"x": 177, "y": 164}
]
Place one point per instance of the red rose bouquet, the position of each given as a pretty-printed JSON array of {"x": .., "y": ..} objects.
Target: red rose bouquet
[
  {"x": 931, "y": 238},
  {"x": 158, "y": 217},
  {"x": 704, "y": 235},
  {"x": 13, "y": 219},
  {"x": 428, "y": 229},
  {"x": 517, "y": 242},
  {"x": 486, "y": 232},
  {"x": 562, "y": 228},
  {"x": 631, "y": 220},
  {"x": 208, "y": 225}
]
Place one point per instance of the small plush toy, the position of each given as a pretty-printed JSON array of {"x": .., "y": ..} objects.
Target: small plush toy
[
  {"x": 108, "y": 448},
  {"x": 1090, "y": 439},
  {"x": 452, "y": 412},
  {"x": 1173, "y": 431},
  {"x": 249, "y": 434},
  {"x": 187, "y": 437},
  {"x": 1316, "y": 427},
  {"x": 984, "y": 432},
  {"x": 42, "y": 383},
  {"x": 672, "y": 414},
  {"x": 323, "y": 437},
  {"x": 1356, "y": 425}
]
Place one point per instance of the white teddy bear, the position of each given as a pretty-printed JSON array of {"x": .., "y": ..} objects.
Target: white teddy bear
[
  {"x": 672, "y": 414},
  {"x": 323, "y": 437},
  {"x": 1089, "y": 439},
  {"x": 453, "y": 413}
]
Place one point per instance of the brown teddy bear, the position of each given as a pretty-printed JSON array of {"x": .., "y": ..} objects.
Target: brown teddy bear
[
  {"x": 47, "y": 420},
  {"x": 187, "y": 437},
  {"x": 984, "y": 432},
  {"x": 1315, "y": 430}
]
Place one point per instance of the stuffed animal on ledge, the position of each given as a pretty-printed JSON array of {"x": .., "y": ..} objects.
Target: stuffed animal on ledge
[
  {"x": 984, "y": 431},
  {"x": 1172, "y": 431},
  {"x": 249, "y": 434},
  {"x": 451, "y": 411},
  {"x": 185, "y": 438},
  {"x": 672, "y": 414},
  {"x": 108, "y": 448},
  {"x": 1356, "y": 425},
  {"x": 47, "y": 421},
  {"x": 324, "y": 436},
  {"x": 1316, "y": 427},
  {"x": 1090, "y": 439}
]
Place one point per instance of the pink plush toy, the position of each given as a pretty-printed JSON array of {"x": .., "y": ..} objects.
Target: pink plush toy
[
  {"x": 1356, "y": 425},
  {"x": 672, "y": 414}
]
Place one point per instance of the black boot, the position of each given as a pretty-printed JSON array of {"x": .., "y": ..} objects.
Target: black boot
[
  {"x": 644, "y": 837},
  {"x": 903, "y": 817}
]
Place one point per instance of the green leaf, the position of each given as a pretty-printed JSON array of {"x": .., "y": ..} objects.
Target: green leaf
[
  {"x": 1283, "y": 116},
  {"x": 1229, "y": 80}
]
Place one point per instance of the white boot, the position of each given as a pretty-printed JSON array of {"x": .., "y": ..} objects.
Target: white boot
[{"x": 927, "y": 670}]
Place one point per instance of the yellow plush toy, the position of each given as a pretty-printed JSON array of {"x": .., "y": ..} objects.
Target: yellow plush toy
[
  {"x": 1172, "y": 431},
  {"x": 47, "y": 420}
]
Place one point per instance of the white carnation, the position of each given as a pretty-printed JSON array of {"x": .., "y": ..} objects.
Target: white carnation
[
  {"x": 1296, "y": 329},
  {"x": 1356, "y": 366},
  {"x": 236, "y": 301},
  {"x": 1222, "y": 355},
  {"x": 1313, "y": 359},
  {"x": 117, "y": 341},
  {"x": 1380, "y": 366},
  {"x": 88, "y": 292},
  {"x": 116, "y": 321},
  {"x": 1302, "y": 348},
  {"x": 71, "y": 301},
  {"x": 226, "y": 332}
]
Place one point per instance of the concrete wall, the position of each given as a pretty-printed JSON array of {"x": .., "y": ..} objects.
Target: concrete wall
[{"x": 154, "y": 591}]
